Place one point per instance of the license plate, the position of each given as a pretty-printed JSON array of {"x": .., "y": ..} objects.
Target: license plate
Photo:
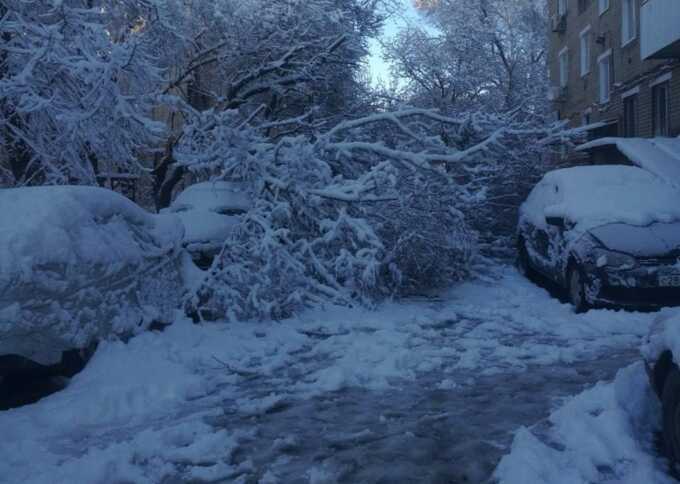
[{"x": 669, "y": 281}]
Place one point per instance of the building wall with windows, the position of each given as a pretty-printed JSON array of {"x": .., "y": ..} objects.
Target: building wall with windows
[{"x": 598, "y": 73}]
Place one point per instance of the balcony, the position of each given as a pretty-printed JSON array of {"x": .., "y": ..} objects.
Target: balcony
[{"x": 660, "y": 29}]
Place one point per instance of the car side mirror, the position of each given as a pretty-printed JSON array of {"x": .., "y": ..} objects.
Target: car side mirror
[{"x": 556, "y": 222}]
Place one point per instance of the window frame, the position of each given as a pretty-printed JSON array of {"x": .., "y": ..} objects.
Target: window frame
[
  {"x": 563, "y": 60},
  {"x": 562, "y": 7},
  {"x": 607, "y": 56},
  {"x": 628, "y": 24},
  {"x": 631, "y": 106},
  {"x": 659, "y": 129},
  {"x": 586, "y": 117},
  {"x": 602, "y": 6},
  {"x": 585, "y": 40}
]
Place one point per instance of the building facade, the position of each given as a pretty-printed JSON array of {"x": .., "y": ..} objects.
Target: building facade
[{"x": 615, "y": 66}]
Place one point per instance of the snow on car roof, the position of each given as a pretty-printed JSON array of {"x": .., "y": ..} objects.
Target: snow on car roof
[
  {"x": 660, "y": 156},
  {"x": 76, "y": 224},
  {"x": 212, "y": 195},
  {"x": 591, "y": 196}
]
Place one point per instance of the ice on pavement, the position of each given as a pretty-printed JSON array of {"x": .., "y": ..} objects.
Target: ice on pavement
[{"x": 210, "y": 402}]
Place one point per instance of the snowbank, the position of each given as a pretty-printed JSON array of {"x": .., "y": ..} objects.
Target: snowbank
[
  {"x": 591, "y": 196},
  {"x": 664, "y": 335},
  {"x": 77, "y": 263},
  {"x": 660, "y": 156},
  {"x": 605, "y": 434},
  {"x": 138, "y": 411}
]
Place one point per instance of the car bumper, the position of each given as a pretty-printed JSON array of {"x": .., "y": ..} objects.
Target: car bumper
[{"x": 634, "y": 288}]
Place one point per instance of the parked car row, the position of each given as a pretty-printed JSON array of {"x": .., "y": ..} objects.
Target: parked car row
[{"x": 79, "y": 264}]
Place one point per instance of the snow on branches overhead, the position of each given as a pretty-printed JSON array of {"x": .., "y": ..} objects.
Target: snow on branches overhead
[
  {"x": 361, "y": 211},
  {"x": 72, "y": 96}
]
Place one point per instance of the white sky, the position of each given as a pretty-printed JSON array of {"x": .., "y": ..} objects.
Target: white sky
[{"x": 380, "y": 69}]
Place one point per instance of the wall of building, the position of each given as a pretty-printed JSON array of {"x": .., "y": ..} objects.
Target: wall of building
[{"x": 629, "y": 71}]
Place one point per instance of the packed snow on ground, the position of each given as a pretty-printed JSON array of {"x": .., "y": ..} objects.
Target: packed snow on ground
[
  {"x": 590, "y": 196},
  {"x": 335, "y": 395}
]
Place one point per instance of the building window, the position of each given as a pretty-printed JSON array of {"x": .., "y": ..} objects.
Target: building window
[
  {"x": 583, "y": 5},
  {"x": 564, "y": 67},
  {"x": 629, "y": 26},
  {"x": 561, "y": 7},
  {"x": 585, "y": 118},
  {"x": 605, "y": 68},
  {"x": 585, "y": 51},
  {"x": 630, "y": 106},
  {"x": 660, "y": 109},
  {"x": 603, "y": 6}
]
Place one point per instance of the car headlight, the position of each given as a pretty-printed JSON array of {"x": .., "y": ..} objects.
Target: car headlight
[{"x": 613, "y": 260}]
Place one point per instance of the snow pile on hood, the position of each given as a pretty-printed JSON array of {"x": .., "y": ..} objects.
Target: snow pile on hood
[
  {"x": 591, "y": 196},
  {"x": 660, "y": 156},
  {"x": 603, "y": 435},
  {"x": 64, "y": 225}
]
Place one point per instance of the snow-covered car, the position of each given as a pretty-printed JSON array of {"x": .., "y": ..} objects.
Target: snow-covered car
[
  {"x": 609, "y": 235},
  {"x": 210, "y": 212},
  {"x": 79, "y": 264},
  {"x": 661, "y": 352}
]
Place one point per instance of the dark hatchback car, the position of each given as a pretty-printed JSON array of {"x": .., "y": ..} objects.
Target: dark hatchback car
[{"x": 609, "y": 235}]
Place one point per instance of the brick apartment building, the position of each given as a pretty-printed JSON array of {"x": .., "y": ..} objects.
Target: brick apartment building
[{"x": 615, "y": 66}]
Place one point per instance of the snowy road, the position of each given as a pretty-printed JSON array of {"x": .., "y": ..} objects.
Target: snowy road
[{"x": 426, "y": 391}]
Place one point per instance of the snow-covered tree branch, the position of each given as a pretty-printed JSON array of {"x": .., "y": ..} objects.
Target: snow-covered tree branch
[{"x": 364, "y": 210}]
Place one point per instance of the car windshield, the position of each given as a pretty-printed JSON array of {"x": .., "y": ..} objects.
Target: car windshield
[{"x": 230, "y": 211}]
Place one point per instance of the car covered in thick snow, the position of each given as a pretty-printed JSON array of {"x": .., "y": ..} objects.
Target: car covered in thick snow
[
  {"x": 661, "y": 352},
  {"x": 210, "y": 212},
  {"x": 79, "y": 264},
  {"x": 609, "y": 234}
]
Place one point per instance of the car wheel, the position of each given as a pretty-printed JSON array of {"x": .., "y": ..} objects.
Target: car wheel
[
  {"x": 577, "y": 290},
  {"x": 671, "y": 415},
  {"x": 523, "y": 261}
]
